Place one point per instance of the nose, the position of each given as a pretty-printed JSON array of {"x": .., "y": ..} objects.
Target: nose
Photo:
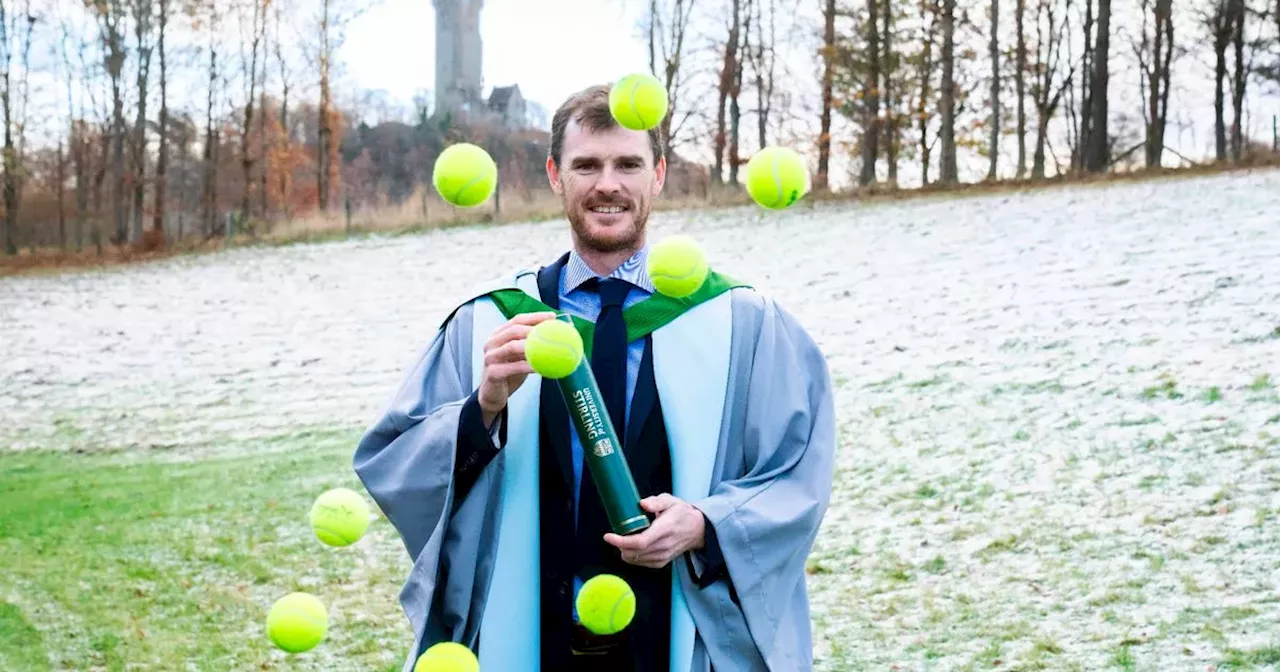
[{"x": 609, "y": 182}]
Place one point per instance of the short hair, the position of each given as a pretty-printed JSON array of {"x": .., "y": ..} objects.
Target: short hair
[{"x": 590, "y": 108}]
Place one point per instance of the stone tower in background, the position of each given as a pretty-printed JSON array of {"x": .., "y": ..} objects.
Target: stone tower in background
[{"x": 458, "y": 56}]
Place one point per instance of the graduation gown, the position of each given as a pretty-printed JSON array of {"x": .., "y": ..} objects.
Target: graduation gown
[{"x": 748, "y": 410}]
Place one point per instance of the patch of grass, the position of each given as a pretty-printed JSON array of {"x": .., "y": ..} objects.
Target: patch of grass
[
  {"x": 1261, "y": 383},
  {"x": 926, "y": 491},
  {"x": 936, "y": 565},
  {"x": 928, "y": 382},
  {"x": 1239, "y": 613},
  {"x": 1167, "y": 388},
  {"x": 143, "y": 564},
  {"x": 21, "y": 646},
  {"x": 1237, "y": 658},
  {"x": 1123, "y": 658},
  {"x": 1002, "y": 545},
  {"x": 1213, "y": 395},
  {"x": 1150, "y": 481}
]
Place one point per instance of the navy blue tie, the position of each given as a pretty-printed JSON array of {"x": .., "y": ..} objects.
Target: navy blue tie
[
  {"x": 609, "y": 365},
  {"x": 609, "y": 351}
]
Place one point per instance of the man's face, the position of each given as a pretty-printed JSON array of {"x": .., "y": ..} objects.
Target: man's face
[{"x": 607, "y": 180}]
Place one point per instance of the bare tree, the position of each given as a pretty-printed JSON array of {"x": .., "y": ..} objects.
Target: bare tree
[
  {"x": 929, "y": 19},
  {"x": 668, "y": 25},
  {"x": 324, "y": 149},
  {"x": 829, "y": 56},
  {"x": 1237, "y": 12},
  {"x": 1020, "y": 85},
  {"x": 110, "y": 14},
  {"x": 1046, "y": 91},
  {"x": 12, "y": 38},
  {"x": 1155, "y": 56},
  {"x": 728, "y": 73},
  {"x": 162, "y": 157},
  {"x": 762, "y": 60},
  {"x": 1098, "y": 151},
  {"x": 250, "y": 71},
  {"x": 211, "y": 134},
  {"x": 735, "y": 110},
  {"x": 889, "y": 65},
  {"x": 142, "y": 34},
  {"x": 284, "y": 103},
  {"x": 994, "y": 51},
  {"x": 949, "y": 172},
  {"x": 871, "y": 97}
]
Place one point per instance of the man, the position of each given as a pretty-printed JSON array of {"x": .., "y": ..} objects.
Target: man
[{"x": 724, "y": 409}]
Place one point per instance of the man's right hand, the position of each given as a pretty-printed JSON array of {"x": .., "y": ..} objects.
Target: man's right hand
[{"x": 505, "y": 367}]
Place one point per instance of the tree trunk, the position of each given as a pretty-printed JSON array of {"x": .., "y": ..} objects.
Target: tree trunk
[
  {"x": 926, "y": 77},
  {"x": 246, "y": 150},
  {"x": 1020, "y": 85},
  {"x": 162, "y": 157},
  {"x": 1219, "y": 98},
  {"x": 1098, "y": 153},
  {"x": 1240, "y": 80},
  {"x": 889, "y": 64},
  {"x": 211, "y": 136},
  {"x": 764, "y": 88},
  {"x": 949, "y": 173},
  {"x": 871, "y": 98},
  {"x": 728, "y": 71},
  {"x": 326, "y": 128},
  {"x": 1083, "y": 141},
  {"x": 1157, "y": 77},
  {"x": 285, "y": 137},
  {"x": 142, "y": 32},
  {"x": 820, "y": 182},
  {"x": 735, "y": 112},
  {"x": 10, "y": 153},
  {"x": 109, "y": 14},
  {"x": 994, "y": 49}
]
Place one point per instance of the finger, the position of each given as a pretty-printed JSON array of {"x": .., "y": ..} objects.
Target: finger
[
  {"x": 530, "y": 319},
  {"x": 659, "y": 503},
  {"x": 506, "y": 370},
  {"x": 511, "y": 351},
  {"x": 506, "y": 334}
]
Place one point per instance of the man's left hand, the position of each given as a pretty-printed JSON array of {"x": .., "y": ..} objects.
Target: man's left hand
[{"x": 679, "y": 527}]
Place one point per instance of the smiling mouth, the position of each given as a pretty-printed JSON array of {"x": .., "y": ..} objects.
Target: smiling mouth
[{"x": 607, "y": 209}]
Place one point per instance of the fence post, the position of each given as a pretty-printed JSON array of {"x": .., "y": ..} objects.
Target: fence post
[{"x": 348, "y": 216}]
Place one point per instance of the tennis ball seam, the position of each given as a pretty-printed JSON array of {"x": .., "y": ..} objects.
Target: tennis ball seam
[{"x": 635, "y": 90}]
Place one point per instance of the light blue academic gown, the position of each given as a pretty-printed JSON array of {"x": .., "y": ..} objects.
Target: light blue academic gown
[{"x": 747, "y": 401}]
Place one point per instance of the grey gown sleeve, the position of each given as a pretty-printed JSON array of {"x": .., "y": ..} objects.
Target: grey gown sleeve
[
  {"x": 407, "y": 458},
  {"x": 766, "y": 520}
]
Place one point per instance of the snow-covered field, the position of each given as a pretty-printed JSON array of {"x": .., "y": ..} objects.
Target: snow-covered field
[{"x": 1060, "y": 426}]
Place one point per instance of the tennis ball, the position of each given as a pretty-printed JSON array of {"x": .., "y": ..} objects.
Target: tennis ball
[
  {"x": 606, "y": 604},
  {"x": 638, "y": 101},
  {"x": 553, "y": 348},
  {"x": 777, "y": 177},
  {"x": 447, "y": 657},
  {"x": 465, "y": 175},
  {"x": 339, "y": 517},
  {"x": 677, "y": 267},
  {"x": 297, "y": 622}
]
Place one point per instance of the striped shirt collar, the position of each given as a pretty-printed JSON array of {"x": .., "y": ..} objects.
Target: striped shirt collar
[{"x": 576, "y": 271}]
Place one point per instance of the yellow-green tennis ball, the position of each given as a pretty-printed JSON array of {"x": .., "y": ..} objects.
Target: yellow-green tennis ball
[
  {"x": 297, "y": 622},
  {"x": 606, "y": 604},
  {"x": 677, "y": 267},
  {"x": 339, "y": 517},
  {"x": 447, "y": 657},
  {"x": 777, "y": 177},
  {"x": 638, "y": 101},
  {"x": 553, "y": 349},
  {"x": 465, "y": 175}
]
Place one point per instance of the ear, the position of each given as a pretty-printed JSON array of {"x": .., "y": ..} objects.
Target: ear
[
  {"x": 660, "y": 175},
  {"x": 553, "y": 176}
]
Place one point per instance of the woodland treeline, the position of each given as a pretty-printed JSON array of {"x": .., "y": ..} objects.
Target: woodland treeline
[{"x": 140, "y": 122}]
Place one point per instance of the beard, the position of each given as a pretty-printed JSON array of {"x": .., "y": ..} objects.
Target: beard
[{"x": 625, "y": 234}]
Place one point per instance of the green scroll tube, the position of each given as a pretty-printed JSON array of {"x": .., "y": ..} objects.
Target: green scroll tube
[{"x": 602, "y": 451}]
